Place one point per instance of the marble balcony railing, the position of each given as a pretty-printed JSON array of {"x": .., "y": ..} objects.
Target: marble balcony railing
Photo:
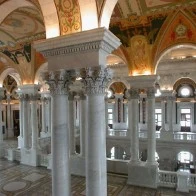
[{"x": 181, "y": 136}]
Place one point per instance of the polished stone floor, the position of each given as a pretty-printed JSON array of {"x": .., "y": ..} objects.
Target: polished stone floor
[{"x": 22, "y": 180}]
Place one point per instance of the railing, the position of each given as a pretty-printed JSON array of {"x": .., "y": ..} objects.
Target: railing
[
  {"x": 192, "y": 182},
  {"x": 117, "y": 133},
  {"x": 144, "y": 135},
  {"x": 184, "y": 136},
  {"x": 167, "y": 179}
]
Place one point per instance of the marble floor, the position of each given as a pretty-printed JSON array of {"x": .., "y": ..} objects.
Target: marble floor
[{"x": 22, "y": 180}]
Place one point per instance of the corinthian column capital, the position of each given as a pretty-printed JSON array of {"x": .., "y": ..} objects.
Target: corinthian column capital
[
  {"x": 95, "y": 79},
  {"x": 59, "y": 81}
]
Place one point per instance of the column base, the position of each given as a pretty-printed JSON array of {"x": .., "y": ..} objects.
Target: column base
[
  {"x": 20, "y": 142},
  {"x": 182, "y": 185},
  {"x": 29, "y": 157},
  {"x": 77, "y": 165},
  {"x": 143, "y": 174},
  {"x": 10, "y": 133},
  {"x": 1, "y": 149},
  {"x": 44, "y": 134},
  {"x": 166, "y": 135}
]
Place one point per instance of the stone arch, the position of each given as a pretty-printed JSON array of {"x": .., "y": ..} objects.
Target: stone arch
[
  {"x": 180, "y": 81},
  {"x": 12, "y": 72},
  {"x": 10, "y": 6},
  {"x": 50, "y": 15},
  {"x": 89, "y": 16},
  {"x": 170, "y": 35},
  {"x": 106, "y": 13},
  {"x": 170, "y": 48}
]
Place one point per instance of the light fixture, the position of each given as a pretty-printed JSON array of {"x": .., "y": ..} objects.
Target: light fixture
[
  {"x": 109, "y": 93},
  {"x": 185, "y": 92}
]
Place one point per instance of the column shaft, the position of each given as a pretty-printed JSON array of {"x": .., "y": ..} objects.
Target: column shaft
[
  {"x": 25, "y": 121},
  {"x": 72, "y": 124},
  {"x": 34, "y": 122},
  {"x": 43, "y": 115},
  {"x": 133, "y": 124},
  {"x": 83, "y": 124},
  {"x": 96, "y": 177},
  {"x": 151, "y": 126}
]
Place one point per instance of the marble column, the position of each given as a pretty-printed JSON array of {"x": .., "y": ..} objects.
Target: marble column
[
  {"x": 10, "y": 130},
  {"x": 25, "y": 120},
  {"x": 133, "y": 124},
  {"x": 43, "y": 100},
  {"x": 170, "y": 112},
  {"x": 141, "y": 110},
  {"x": 34, "y": 121},
  {"x": 21, "y": 108},
  {"x": 163, "y": 115},
  {"x": 72, "y": 123},
  {"x": 106, "y": 115},
  {"x": 151, "y": 126},
  {"x": 83, "y": 123},
  {"x": 1, "y": 128},
  {"x": 96, "y": 177},
  {"x": 49, "y": 116},
  {"x": 58, "y": 82}
]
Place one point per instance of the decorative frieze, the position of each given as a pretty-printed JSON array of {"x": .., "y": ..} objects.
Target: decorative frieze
[{"x": 95, "y": 79}]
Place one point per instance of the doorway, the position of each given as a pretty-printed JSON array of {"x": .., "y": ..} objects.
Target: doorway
[{"x": 185, "y": 120}]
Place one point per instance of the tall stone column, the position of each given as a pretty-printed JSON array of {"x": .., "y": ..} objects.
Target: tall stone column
[
  {"x": 96, "y": 178},
  {"x": 141, "y": 110},
  {"x": 163, "y": 115},
  {"x": 1, "y": 130},
  {"x": 21, "y": 108},
  {"x": 43, "y": 100},
  {"x": 10, "y": 130},
  {"x": 133, "y": 124},
  {"x": 170, "y": 112},
  {"x": 49, "y": 116},
  {"x": 72, "y": 123},
  {"x": 151, "y": 126},
  {"x": 25, "y": 120},
  {"x": 83, "y": 123},
  {"x": 34, "y": 120},
  {"x": 58, "y": 82}
]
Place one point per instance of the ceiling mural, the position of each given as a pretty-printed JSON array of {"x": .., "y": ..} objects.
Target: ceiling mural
[
  {"x": 23, "y": 25},
  {"x": 19, "y": 55},
  {"x": 180, "y": 29},
  {"x": 69, "y": 16}
]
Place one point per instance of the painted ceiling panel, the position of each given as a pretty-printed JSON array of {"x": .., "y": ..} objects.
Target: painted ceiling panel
[{"x": 21, "y": 24}]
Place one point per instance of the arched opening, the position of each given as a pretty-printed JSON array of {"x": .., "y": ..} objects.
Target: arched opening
[
  {"x": 117, "y": 152},
  {"x": 185, "y": 161}
]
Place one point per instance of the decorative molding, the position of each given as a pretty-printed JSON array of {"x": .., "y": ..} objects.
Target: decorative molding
[{"x": 80, "y": 48}]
